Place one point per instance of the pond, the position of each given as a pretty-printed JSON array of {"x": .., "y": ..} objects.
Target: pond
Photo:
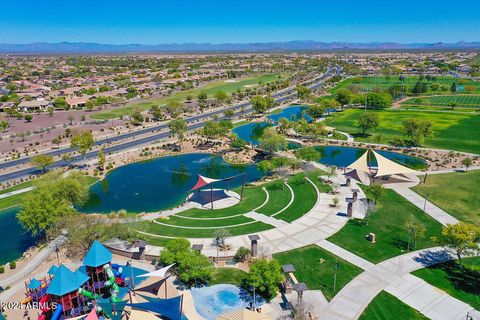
[
  {"x": 292, "y": 113},
  {"x": 160, "y": 183},
  {"x": 15, "y": 240},
  {"x": 211, "y": 302},
  {"x": 344, "y": 156},
  {"x": 251, "y": 132}
]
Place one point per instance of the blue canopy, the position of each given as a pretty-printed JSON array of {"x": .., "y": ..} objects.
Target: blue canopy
[
  {"x": 34, "y": 284},
  {"x": 169, "y": 308},
  {"x": 66, "y": 281},
  {"x": 97, "y": 255},
  {"x": 52, "y": 270},
  {"x": 108, "y": 307}
]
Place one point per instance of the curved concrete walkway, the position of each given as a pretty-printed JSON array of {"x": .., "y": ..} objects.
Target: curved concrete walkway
[{"x": 393, "y": 276}]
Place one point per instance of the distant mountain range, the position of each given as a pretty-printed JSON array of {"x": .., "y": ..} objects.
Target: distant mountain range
[{"x": 85, "y": 47}]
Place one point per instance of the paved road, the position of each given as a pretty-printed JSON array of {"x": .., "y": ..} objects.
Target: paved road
[{"x": 194, "y": 123}]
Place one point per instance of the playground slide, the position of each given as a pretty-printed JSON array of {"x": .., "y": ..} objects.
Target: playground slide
[
  {"x": 117, "y": 270},
  {"x": 58, "y": 312},
  {"x": 88, "y": 294},
  {"x": 44, "y": 304},
  {"x": 111, "y": 283}
]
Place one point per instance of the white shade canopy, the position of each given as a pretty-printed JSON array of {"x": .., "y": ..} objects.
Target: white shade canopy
[
  {"x": 160, "y": 273},
  {"x": 361, "y": 164},
  {"x": 388, "y": 167}
]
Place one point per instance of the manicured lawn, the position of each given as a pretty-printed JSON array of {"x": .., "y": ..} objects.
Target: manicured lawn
[
  {"x": 228, "y": 276},
  {"x": 279, "y": 197},
  {"x": 388, "y": 223},
  {"x": 361, "y": 83},
  {"x": 465, "y": 101},
  {"x": 305, "y": 198},
  {"x": 453, "y": 131},
  {"x": 314, "y": 176},
  {"x": 210, "y": 89},
  {"x": 464, "y": 286},
  {"x": 178, "y": 221},
  {"x": 161, "y": 230},
  {"x": 458, "y": 193},
  {"x": 253, "y": 197},
  {"x": 316, "y": 275},
  {"x": 17, "y": 199},
  {"x": 386, "y": 306}
]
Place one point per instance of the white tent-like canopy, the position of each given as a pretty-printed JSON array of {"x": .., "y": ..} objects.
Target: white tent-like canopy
[
  {"x": 160, "y": 273},
  {"x": 388, "y": 167},
  {"x": 385, "y": 167}
]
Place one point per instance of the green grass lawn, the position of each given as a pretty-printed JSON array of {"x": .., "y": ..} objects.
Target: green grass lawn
[
  {"x": 305, "y": 198},
  {"x": 161, "y": 230},
  {"x": 457, "y": 131},
  {"x": 361, "y": 83},
  {"x": 279, "y": 195},
  {"x": 210, "y": 89},
  {"x": 253, "y": 197},
  {"x": 463, "y": 101},
  {"x": 388, "y": 223},
  {"x": 178, "y": 221},
  {"x": 458, "y": 193},
  {"x": 464, "y": 286},
  {"x": 385, "y": 306},
  {"x": 316, "y": 275},
  {"x": 228, "y": 276},
  {"x": 17, "y": 199}
]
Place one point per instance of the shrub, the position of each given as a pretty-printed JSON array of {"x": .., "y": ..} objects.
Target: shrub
[
  {"x": 241, "y": 255},
  {"x": 13, "y": 265},
  {"x": 2, "y": 269}
]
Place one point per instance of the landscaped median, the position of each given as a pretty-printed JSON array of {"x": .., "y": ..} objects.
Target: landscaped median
[{"x": 386, "y": 306}]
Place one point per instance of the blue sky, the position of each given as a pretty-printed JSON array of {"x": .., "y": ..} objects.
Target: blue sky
[{"x": 151, "y": 22}]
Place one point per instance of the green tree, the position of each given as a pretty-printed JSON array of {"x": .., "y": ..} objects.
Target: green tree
[
  {"x": 460, "y": 239},
  {"x": 308, "y": 154},
  {"x": 28, "y": 117},
  {"x": 417, "y": 129},
  {"x": 265, "y": 276},
  {"x": 368, "y": 121},
  {"x": 202, "y": 99},
  {"x": 178, "y": 127},
  {"x": 228, "y": 113},
  {"x": 379, "y": 100},
  {"x": 173, "y": 108},
  {"x": 375, "y": 190},
  {"x": 467, "y": 162},
  {"x": 237, "y": 144},
  {"x": 303, "y": 92},
  {"x": 42, "y": 161},
  {"x": 315, "y": 111},
  {"x": 259, "y": 104},
  {"x": 452, "y": 105},
  {"x": 53, "y": 197},
  {"x": 101, "y": 158},
  {"x": 416, "y": 231},
  {"x": 4, "y": 125},
  {"x": 137, "y": 118},
  {"x": 283, "y": 125},
  {"x": 271, "y": 141},
  {"x": 221, "y": 96},
  {"x": 174, "y": 250},
  {"x": 157, "y": 114},
  {"x": 344, "y": 96},
  {"x": 60, "y": 103},
  {"x": 82, "y": 141}
]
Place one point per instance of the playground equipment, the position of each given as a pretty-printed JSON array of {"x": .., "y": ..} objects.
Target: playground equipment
[
  {"x": 67, "y": 294},
  {"x": 112, "y": 283}
]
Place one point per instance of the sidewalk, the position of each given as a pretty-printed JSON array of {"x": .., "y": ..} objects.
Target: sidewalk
[{"x": 422, "y": 203}]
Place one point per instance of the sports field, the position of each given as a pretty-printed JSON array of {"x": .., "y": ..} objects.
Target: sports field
[
  {"x": 451, "y": 130},
  {"x": 210, "y": 89},
  {"x": 462, "y": 101},
  {"x": 361, "y": 83}
]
